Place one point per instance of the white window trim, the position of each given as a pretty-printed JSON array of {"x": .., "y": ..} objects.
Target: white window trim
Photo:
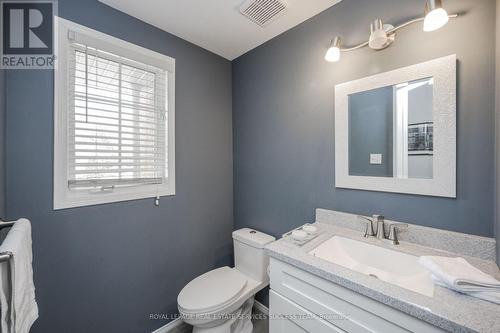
[{"x": 63, "y": 197}]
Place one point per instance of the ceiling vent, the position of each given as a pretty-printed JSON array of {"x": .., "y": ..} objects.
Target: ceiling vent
[{"x": 262, "y": 12}]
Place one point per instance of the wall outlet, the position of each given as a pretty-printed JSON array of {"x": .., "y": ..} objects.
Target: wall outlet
[{"x": 375, "y": 158}]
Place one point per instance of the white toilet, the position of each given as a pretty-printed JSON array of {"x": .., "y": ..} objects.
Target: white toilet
[{"x": 221, "y": 300}]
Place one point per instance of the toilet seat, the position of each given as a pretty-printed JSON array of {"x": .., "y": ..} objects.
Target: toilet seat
[{"x": 211, "y": 291}]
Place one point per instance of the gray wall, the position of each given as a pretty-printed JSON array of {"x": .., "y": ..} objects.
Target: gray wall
[
  {"x": 497, "y": 148},
  {"x": 370, "y": 132},
  {"x": 106, "y": 268},
  {"x": 2, "y": 143},
  {"x": 283, "y": 117}
]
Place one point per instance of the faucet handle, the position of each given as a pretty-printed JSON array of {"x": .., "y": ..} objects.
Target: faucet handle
[
  {"x": 369, "y": 226},
  {"x": 392, "y": 232}
]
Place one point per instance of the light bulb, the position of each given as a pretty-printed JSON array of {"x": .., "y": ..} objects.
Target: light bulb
[
  {"x": 435, "y": 15},
  {"x": 333, "y": 53},
  {"x": 378, "y": 36}
]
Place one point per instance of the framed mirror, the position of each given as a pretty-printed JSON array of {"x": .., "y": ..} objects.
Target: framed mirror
[{"x": 396, "y": 131}]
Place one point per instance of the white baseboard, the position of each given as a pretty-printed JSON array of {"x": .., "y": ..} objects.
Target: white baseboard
[
  {"x": 261, "y": 307},
  {"x": 171, "y": 325}
]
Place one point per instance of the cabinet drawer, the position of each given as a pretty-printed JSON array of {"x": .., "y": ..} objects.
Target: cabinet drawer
[
  {"x": 288, "y": 317},
  {"x": 341, "y": 307}
]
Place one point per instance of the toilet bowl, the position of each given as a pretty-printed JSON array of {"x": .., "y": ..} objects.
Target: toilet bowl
[{"x": 221, "y": 300}]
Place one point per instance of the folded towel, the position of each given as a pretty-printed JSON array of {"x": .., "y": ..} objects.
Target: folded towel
[
  {"x": 18, "y": 316},
  {"x": 490, "y": 296},
  {"x": 457, "y": 274}
]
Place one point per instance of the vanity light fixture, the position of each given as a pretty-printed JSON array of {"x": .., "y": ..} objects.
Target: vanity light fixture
[{"x": 383, "y": 35}]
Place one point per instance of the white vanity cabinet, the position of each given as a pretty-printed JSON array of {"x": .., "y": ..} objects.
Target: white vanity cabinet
[{"x": 303, "y": 302}]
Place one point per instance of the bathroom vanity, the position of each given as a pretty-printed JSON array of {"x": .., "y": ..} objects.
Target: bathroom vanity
[
  {"x": 343, "y": 282},
  {"x": 319, "y": 305}
]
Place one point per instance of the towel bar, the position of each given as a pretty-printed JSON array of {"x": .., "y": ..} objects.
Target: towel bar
[{"x": 5, "y": 257}]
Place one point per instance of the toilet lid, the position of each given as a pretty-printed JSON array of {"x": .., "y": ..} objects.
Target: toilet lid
[{"x": 211, "y": 290}]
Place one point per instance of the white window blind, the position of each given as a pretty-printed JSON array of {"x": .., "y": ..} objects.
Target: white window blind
[
  {"x": 114, "y": 119},
  {"x": 117, "y": 121}
]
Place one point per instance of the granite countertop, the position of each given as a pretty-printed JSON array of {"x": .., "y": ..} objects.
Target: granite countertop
[{"x": 447, "y": 309}]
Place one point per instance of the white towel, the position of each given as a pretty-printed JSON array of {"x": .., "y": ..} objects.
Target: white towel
[
  {"x": 457, "y": 274},
  {"x": 20, "y": 316},
  {"x": 490, "y": 296}
]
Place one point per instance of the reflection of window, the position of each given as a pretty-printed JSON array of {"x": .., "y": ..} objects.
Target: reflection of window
[
  {"x": 413, "y": 126},
  {"x": 115, "y": 114},
  {"x": 420, "y": 139}
]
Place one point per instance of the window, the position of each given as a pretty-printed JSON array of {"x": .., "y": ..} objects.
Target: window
[{"x": 114, "y": 120}]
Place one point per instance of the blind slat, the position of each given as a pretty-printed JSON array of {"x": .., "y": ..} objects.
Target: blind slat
[
  {"x": 103, "y": 172},
  {"x": 115, "y": 91},
  {"x": 157, "y": 151},
  {"x": 114, "y": 101},
  {"x": 139, "y": 137},
  {"x": 78, "y": 184},
  {"x": 96, "y": 116},
  {"x": 101, "y": 130},
  {"x": 89, "y": 145},
  {"x": 117, "y": 126},
  {"x": 100, "y": 79}
]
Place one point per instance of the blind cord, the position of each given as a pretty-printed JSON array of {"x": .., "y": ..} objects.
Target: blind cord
[{"x": 157, "y": 199}]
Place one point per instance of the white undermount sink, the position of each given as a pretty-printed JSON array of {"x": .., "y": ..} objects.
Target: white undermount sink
[{"x": 391, "y": 266}]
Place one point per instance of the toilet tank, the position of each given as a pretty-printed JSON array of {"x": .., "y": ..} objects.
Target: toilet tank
[{"x": 249, "y": 256}]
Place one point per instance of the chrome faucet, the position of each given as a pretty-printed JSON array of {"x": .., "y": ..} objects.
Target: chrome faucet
[{"x": 377, "y": 221}]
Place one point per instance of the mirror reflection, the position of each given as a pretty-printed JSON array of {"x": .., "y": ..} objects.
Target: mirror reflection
[{"x": 391, "y": 131}]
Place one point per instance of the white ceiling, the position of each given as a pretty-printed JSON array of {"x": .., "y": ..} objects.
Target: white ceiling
[{"x": 217, "y": 25}]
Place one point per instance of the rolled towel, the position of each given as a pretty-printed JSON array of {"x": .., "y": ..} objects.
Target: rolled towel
[{"x": 458, "y": 274}]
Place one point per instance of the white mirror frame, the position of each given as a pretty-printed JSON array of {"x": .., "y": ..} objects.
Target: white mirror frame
[{"x": 443, "y": 183}]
